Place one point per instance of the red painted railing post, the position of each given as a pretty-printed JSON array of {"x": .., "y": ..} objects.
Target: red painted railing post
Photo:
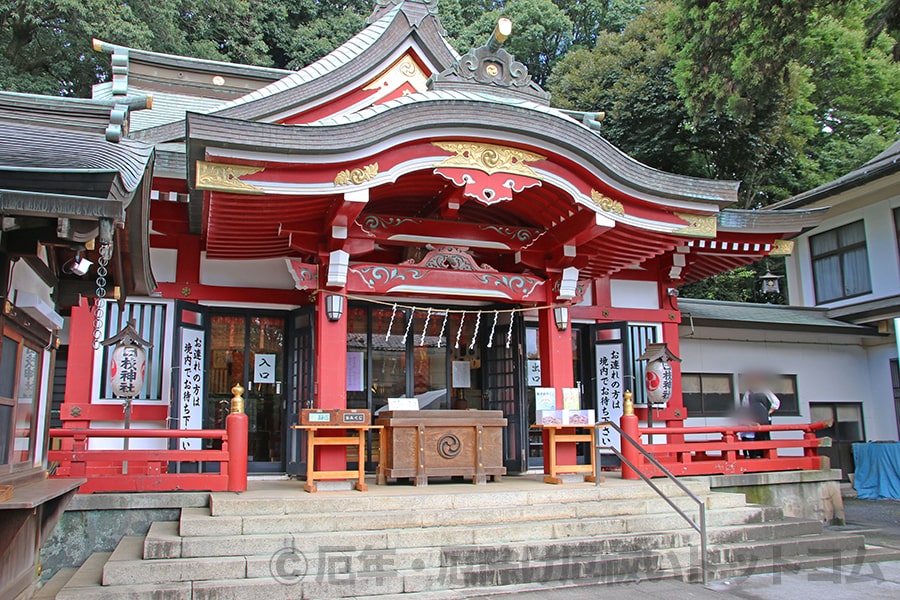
[
  {"x": 629, "y": 424},
  {"x": 237, "y": 426}
]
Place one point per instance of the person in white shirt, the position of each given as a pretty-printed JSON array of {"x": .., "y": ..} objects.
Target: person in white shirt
[{"x": 759, "y": 403}]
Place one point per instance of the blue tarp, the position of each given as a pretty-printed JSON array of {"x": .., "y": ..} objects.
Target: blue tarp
[{"x": 877, "y": 470}]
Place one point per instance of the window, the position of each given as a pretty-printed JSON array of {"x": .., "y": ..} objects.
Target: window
[
  {"x": 708, "y": 394},
  {"x": 785, "y": 387},
  {"x": 20, "y": 369},
  {"x": 150, "y": 322},
  {"x": 840, "y": 263},
  {"x": 897, "y": 224}
]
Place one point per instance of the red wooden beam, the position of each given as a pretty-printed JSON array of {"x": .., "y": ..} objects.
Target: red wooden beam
[
  {"x": 578, "y": 229},
  {"x": 196, "y": 291}
]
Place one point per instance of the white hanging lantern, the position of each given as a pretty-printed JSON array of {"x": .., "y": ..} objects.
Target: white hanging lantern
[
  {"x": 127, "y": 369},
  {"x": 659, "y": 382},
  {"x": 128, "y": 362},
  {"x": 658, "y": 378}
]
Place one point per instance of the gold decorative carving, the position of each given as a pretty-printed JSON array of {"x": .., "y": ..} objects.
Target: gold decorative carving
[
  {"x": 219, "y": 177},
  {"x": 356, "y": 176},
  {"x": 489, "y": 158},
  {"x": 782, "y": 248},
  {"x": 607, "y": 204},
  {"x": 699, "y": 226},
  {"x": 405, "y": 70}
]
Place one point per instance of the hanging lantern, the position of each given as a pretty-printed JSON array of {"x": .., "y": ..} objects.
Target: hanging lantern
[
  {"x": 658, "y": 378},
  {"x": 126, "y": 370},
  {"x": 659, "y": 382},
  {"x": 128, "y": 362},
  {"x": 770, "y": 283}
]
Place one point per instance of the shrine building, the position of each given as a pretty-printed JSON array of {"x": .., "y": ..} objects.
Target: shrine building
[{"x": 397, "y": 220}]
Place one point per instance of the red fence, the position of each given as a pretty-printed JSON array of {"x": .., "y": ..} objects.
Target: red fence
[
  {"x": 726, "y": 453},
  {"x": 147, "y": 469}
]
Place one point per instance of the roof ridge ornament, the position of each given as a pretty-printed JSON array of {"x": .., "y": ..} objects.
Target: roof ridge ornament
[
  {"x": 123, "y": 104},
  {"x": 492, "y": 66}
]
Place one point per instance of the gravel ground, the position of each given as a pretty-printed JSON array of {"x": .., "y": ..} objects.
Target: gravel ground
[{"x": 878, "y": 520}]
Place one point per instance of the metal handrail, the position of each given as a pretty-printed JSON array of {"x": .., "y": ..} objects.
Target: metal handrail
[{"x": 698, "y": 527}]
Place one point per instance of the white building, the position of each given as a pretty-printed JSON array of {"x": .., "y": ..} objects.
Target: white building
[{"x": 836, "y": 345}]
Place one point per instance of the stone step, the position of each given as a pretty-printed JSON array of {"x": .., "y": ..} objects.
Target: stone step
[
  {"x": 378, "y": 583},
  {"x": 866, "y": 566},
  {"x": 51, "y": 587},
  {"x": 126, "y": 566},
  {"x": 766, "y": 554},
  {"x": 434, "y": 498},
  {"x": 784, "y": 528},
  {"x": 773, "y": 550},
  {"x": 163, "y": 542},
  {"x": 860, "y": 562},
  {"x": 199, "y": 522},
  {"x": 86, "y": 584}
]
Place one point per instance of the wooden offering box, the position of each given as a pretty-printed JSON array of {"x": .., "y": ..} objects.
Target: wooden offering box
[{"x": 441, "y": 443}]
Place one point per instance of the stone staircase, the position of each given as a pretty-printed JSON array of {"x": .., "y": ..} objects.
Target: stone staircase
[{"x": 471, "y": 540}]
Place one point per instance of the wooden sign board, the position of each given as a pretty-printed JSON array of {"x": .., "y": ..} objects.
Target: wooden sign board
[{"x": 338, "y": 417}]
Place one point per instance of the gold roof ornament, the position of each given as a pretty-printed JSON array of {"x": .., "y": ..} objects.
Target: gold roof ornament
[
  {"x": 217, "y": 177},
  {"x": 699, "y": 226},
  {"x": 489, "y": 158}
]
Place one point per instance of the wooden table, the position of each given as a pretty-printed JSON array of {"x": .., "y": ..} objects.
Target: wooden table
[
  {"x": 554, "y": 437},
  {"x": 420, "y": 444},
  {"x": 314, "y": 441}
]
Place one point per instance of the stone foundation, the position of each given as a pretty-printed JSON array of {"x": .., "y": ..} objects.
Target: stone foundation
[
  {"x": 97, "y": 522},
  {"x": 802, "y": 494}
]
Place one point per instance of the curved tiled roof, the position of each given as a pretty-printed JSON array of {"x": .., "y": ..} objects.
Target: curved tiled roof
[
  {"x": 440, "y": 110},
  {"x": 338, "y": 57},
  {"x": 32, "y": 147}
]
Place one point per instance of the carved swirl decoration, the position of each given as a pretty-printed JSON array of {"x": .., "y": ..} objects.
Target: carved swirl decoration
[
  {"x": 450, "y": 257},
  {"x": 449, "y": 446},
  {"x": 519, "y": 234},
  {"x": 607, "y": 204},
  {"x": 218, "y": 177},
  {"x": 356, "y": 176},
  {"x": 372, "y": 222},
  {"x": 489, "y": 158}
]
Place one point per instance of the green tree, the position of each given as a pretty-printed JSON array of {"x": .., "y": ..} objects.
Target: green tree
[
  {"x": 628, "y": 75},
  {"x": 885, "y": 18},
  {"x": 740, "y": 285},
  {"x": 47, "y": 43},
  {"x": 299, "y": 32},
  {"x": 737, "y": 73}
]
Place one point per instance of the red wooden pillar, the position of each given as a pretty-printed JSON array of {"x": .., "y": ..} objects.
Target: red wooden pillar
[
  {"x": 557, "y": 371},
  {"x": 80, "y": 367},
  {"x": 331, "y": 376},
  {"x": 676, "y": 403}
]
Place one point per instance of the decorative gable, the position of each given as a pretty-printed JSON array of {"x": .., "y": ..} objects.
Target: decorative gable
[{"x": 492, "y": 67}]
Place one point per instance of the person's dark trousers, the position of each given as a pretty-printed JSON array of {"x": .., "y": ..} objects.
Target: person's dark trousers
[{"x": 760, "y": 436}]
